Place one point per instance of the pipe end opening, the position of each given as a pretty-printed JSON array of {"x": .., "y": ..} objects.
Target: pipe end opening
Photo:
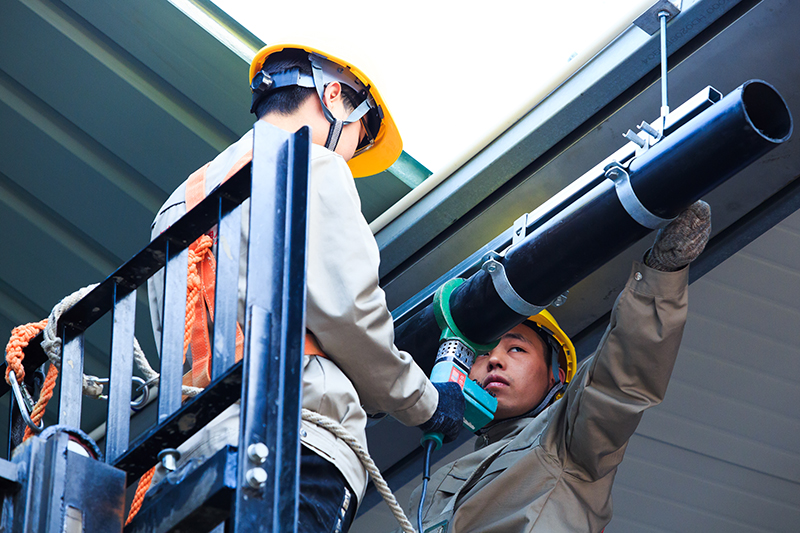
[{"x": 767, "y": 110}]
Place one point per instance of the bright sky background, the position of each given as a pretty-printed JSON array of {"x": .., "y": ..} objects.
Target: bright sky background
[{"x": 454, "y": 74}]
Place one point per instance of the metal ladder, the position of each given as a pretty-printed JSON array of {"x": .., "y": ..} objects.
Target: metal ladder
[{"x": 46, "y": 488}]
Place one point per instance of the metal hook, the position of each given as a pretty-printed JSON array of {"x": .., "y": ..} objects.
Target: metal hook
[
  {"x": 21, "y": 404},
  {"x": 138, "y": 404},
  {"x": 142, "y": 386}
]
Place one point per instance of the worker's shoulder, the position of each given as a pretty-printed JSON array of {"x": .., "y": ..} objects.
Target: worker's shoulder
[
  {"x": 320, "y": 154},
  {"x": 329, "y": 169},
  {"x": 172, "y": 209}
]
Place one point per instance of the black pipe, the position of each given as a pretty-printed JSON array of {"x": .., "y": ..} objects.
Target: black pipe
[{"x": 667, "y": 178}]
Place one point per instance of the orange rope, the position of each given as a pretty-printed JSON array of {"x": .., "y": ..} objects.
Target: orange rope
[
  {"x": 20, "y": 337},
  {"x": 41, "y": 404},
  {"x": 194, "y": 285},
  {"x": 141, "y": 490}
]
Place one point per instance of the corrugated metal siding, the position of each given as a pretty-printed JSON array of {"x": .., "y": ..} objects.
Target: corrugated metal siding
[{"x": 722, "y": 453}]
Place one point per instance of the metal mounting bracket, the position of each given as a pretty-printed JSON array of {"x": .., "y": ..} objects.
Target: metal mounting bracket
[
  {"x": 638, "y": 212},
  {"x": 514, "y": 301},
  {"x": 649, "y": 22},
  {"x": 520, "y": 229}
]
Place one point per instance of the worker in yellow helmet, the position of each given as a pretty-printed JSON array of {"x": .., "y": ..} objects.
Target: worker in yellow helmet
[
  {"x": 282, "y": 74},
  {"x": 542, "y": 333},
  {"x": 548, "y": 460},
  {"x": 351, "y": 363}
]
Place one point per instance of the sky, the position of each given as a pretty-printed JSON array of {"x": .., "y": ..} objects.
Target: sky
[{"x": 454, "y": 74}]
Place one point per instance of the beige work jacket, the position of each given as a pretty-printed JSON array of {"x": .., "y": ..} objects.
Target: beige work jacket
[
  {"x": 553, "y": 473},
  {"x": 346, "y": 312}
]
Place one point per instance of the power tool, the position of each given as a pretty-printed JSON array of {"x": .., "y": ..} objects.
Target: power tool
[{"x": 453, "y": 362}]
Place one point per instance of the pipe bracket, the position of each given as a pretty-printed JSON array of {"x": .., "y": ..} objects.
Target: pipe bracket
[
  {"x": 514, "y": 301},
  {"x": 627, "y": 197}
]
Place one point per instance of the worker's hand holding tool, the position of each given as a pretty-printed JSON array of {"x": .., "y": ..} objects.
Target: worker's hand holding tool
[
  {"x": 681, "y": 241},
  {"x": 449, "y": 413}
]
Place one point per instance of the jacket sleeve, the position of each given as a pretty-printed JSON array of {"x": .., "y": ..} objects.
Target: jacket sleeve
[
  {"x": 629, "y": 372},
  {"x": 346, "y": 309}
]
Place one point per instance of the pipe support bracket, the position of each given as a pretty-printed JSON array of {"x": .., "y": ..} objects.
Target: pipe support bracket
[
  {"x": 627, "y": 197},
  {"x": 514, "y": 301}
]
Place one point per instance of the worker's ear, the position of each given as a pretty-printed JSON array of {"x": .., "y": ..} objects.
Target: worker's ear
[
  {"x": 332, "y": 93},
  {"x": 561, "y": 376}
]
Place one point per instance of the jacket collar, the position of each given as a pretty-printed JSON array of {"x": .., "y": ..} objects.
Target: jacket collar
[
  {"x": 501, "y": 429},
  {"x": 510, "y": 427}
]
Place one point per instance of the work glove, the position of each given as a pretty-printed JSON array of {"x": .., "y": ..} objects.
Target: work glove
[
  {"x": 449, "y": 413},
  {"x": 681, "y": 241}
]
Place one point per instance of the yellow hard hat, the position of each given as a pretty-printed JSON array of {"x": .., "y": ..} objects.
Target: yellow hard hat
[
  {"x": 567, "y": 360},
  {"x": 385, "y": 144}
]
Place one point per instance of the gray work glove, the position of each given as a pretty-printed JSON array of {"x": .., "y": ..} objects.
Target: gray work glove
[
  {"x": 449, "y": 412},
  {"x": 681, "y": 241}
]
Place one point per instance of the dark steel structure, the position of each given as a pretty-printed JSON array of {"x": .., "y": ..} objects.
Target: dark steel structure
[{"x": 46, "y": 488}]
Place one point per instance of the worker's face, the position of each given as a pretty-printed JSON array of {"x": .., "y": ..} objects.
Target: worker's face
[
  {"x": 351, "y": 133},
  {"x": 515, "y": 372}
]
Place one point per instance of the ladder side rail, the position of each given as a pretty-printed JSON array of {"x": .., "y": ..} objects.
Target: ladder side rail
[
  {"x": 71, "y": 377},
  {"x": 293, "y": 331},
  {"x": 274, "y": 337},
  {"x": 119, "y": 390},
  {"x": 226, "y": 299},
  {"x": 173, "y": 320}
]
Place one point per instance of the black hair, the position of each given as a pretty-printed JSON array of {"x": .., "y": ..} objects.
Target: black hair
[{"x": 287, "y": 100}]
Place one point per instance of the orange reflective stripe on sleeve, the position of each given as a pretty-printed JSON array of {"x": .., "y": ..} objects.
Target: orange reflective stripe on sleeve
[{"x": 246, "y": 158}]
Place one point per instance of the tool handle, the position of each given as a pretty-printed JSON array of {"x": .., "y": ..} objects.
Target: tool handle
[{"x": 434, "y": 436}]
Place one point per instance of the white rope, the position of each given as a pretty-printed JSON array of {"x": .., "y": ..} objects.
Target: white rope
[
  {"x": 92, "y": 385},
  {"x": 340, "y": 432},
  {"x": 52, "y": 343},
  {"x": 151, "y": 376}
]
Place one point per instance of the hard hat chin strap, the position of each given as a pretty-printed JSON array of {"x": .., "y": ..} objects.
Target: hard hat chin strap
[
  {"x": 334, "y": 133},
  {"x": 558, "y": 387}
]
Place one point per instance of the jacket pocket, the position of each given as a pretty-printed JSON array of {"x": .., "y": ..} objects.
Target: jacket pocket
[{"x": 450, "y": 485}]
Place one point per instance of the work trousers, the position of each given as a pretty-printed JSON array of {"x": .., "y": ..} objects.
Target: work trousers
[{"x": 327, "y": 503}]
